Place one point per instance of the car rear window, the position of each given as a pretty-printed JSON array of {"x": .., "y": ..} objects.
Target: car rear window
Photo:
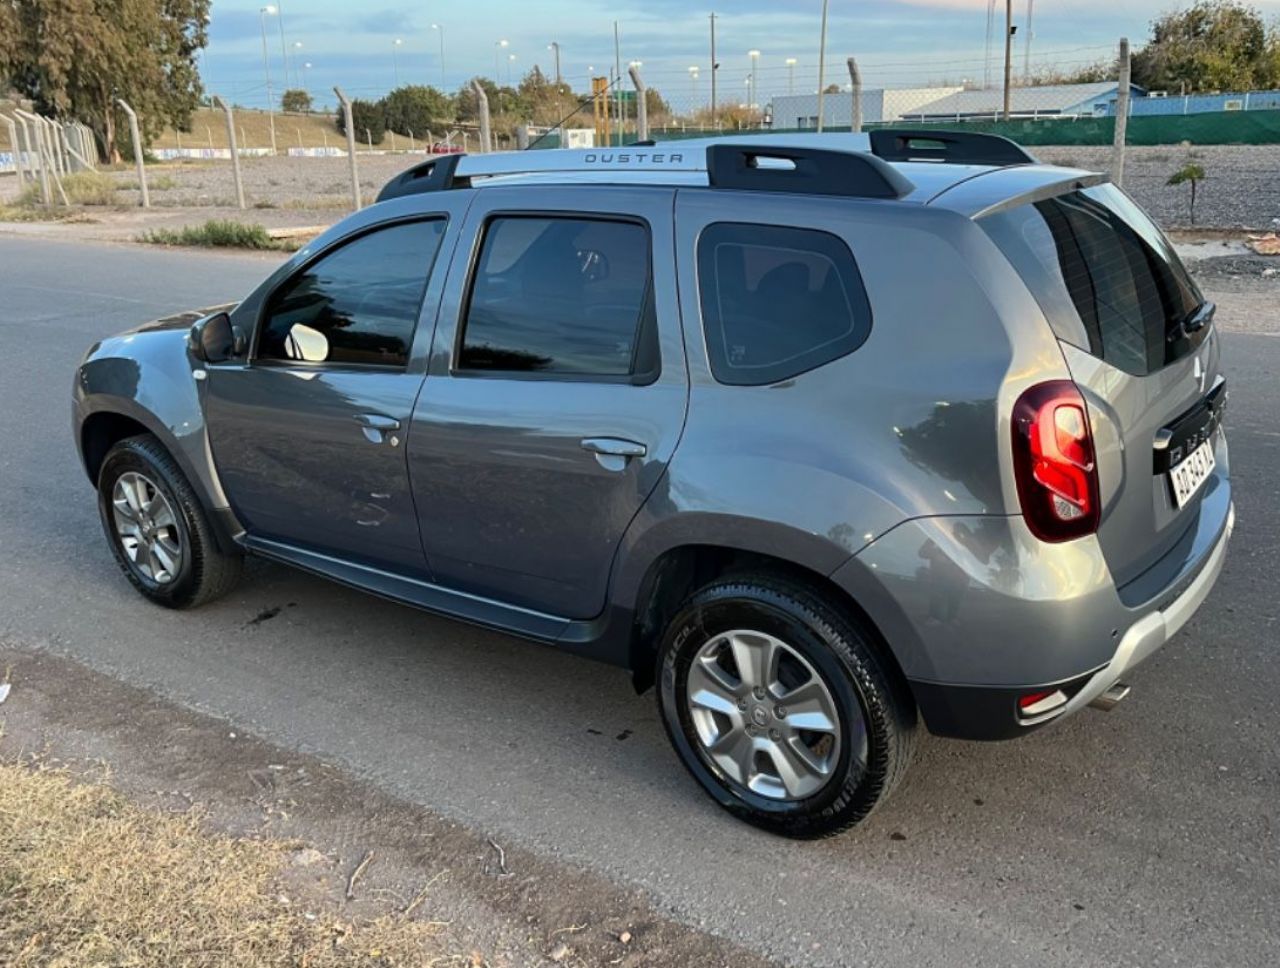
[
  {"x": 777, "y": 301},
  {"x": 1105, "y": 276}
]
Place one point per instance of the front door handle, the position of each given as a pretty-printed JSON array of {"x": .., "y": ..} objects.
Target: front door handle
[
  {"x": 376, "y": 428},
  {"x": 614, "y": 447}
]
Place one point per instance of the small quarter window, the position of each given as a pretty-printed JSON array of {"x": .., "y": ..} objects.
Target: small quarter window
[
  {"x": 357, "y": 305},
  {"x": 777, "y": 301},
  {"x": 562, "y": 297}
]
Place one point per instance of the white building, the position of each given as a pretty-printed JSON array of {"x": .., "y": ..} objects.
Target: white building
[{"x": 801, "y": 110}]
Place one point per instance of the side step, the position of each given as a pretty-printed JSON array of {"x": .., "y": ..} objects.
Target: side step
[{"x": 1111, "y": 698}]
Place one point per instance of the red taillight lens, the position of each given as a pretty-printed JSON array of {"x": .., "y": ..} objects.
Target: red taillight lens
[{"x": 1053, "y": 460}]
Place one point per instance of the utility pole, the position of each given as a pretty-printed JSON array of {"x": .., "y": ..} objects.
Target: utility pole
[
  {"x": 1008, "y": 54},
  {"x": 714, "y": 67},
  {"x": 617, "y": 77},
  {"x": 1026, "y": 50},
  {"x": 284, "y": 51},
  {"x": 822, "y": 64},
  {"x": 266, "y": 70},
  {"x": 1122, "y": 114}
]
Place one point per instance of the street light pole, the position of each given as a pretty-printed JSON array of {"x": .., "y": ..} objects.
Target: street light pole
[
  {"x": 497, "y": 49},
  {"x": 511, "y": 59},
  {"x": 714, "y": 66},
  {"x": 266, "y": 70},
  {"x": 1008, "y": 54},
  {"x": 755, "y": 66},
  {"x": 297, "y": 72},
  {"x": 395, "y": 60},
  {"x": 791, "y": 75},
  {"x": 693, "y": 87},
  {"x": 284, "y": 51},
  {"x": 441, "y": 30}
]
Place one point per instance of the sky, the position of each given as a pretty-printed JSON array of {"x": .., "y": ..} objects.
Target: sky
[{"x": 368, "y": 47}]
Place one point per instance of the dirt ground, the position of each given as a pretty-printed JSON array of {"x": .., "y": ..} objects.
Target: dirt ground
[{"x": 501, "y": 905}]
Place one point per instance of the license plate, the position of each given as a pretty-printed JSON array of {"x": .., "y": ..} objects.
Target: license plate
[{"x": 1189, "y": 475}]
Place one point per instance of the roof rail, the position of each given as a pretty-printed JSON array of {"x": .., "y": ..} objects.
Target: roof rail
[
  {"x": 434, "y": 175},
  {"x": 811, "y": 171},
  {"x": 760, "y": 167},
  {"x": 948, "y": 147}
]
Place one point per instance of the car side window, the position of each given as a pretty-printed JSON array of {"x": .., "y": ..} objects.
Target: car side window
[
  {"x": 359, "y": 304},
  {"x": 561, "y": 297},
  {"x": 777, "y": 301}
]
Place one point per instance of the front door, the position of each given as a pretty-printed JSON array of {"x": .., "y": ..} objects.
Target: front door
[
  {"x": 308, "y": 434},
  {"x": 556, "y": 393}
]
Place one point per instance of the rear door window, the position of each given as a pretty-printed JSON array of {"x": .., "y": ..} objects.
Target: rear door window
[
  {"x": 1104, "y": 275},
  {"x": 777, "y": 301},
  {"x": 562, "y": 297}
]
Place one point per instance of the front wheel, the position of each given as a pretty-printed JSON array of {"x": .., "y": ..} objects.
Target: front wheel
[
  {"x": 158, "y": 530},
  {"x": 782, "y": 707}
]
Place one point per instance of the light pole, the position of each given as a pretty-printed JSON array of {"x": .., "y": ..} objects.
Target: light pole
[
  {"x": 263, "y": 13},
  {"x": 555, "y": 46},
  {"x": 284, "y": 51},
  {"x": 297, "y": 75},
  {"x": 755, "y": 65},
  {"x": 498, "y": 45},
  {"x": 822, "y": 64},
  {"x": 439, "y": 28},
  {"x": 306, "y": 76},
  {"x": 395, "y": 61},
  {"x": 791, "y": 75},
  {"x": 693, "y": 86},
  {"x": 511, "y": 59}
]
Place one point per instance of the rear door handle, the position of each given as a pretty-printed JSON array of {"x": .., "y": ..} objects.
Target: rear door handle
[
  {"x": 614, "y": 447},
  {"x": 376, "y": 427}
]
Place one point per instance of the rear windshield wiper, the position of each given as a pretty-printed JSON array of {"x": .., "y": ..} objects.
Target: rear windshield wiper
[{"x": 1194, "y": 321}]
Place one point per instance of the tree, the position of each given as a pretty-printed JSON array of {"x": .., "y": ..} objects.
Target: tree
[
  {"x": 415, "y": 109},
  {"x": 1189, "y": 173},
  {"x": 369, "y": 120},
  {"x": 296, "y": 101},
  {"x": 74, "y": 58},
  {"x": 1214, "y": 45}
]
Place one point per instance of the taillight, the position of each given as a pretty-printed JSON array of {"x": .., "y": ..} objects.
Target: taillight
[{"x": 1053, "y": 460}]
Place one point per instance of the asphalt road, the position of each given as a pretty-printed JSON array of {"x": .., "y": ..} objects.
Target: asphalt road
[{"x": 1149, "y": 836}]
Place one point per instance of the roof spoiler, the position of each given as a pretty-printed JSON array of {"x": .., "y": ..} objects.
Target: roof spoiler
[{"x": 947, "y": 147}]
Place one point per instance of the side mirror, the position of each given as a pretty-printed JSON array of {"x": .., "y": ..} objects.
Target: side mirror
[{"x": 215, "y": 340}]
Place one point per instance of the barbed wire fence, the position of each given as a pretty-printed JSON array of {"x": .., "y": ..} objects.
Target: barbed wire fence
[{"x": 1073, "y": 99}]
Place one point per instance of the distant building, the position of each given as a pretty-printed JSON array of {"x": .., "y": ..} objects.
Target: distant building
[
  {"x": 801, "y": 110},
  {"x": 949, "y": 104},
  {"x": 1051, "y": 100}
]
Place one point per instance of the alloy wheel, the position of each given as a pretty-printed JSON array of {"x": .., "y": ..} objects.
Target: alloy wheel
[{"x": 147, "y": 527}]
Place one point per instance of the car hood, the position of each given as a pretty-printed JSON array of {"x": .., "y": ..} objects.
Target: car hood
[{"x": 182, "y": 320}]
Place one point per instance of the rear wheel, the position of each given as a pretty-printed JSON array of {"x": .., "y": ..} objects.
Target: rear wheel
[
  {"x": 158, "y": 530},
  {"x": 782, "y": 707}
]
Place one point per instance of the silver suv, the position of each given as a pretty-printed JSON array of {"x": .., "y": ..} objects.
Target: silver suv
[{"x": 822, "y": 436}]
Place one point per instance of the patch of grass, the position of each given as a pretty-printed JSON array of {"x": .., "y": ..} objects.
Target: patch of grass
[
  {"x": 217, "y": 233},
  {"x": 264, "y": 203},
  {"x": 89, "y": 878},
  {"x": 82, "y": 188}
]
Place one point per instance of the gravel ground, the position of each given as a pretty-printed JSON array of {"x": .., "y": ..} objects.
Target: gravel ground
[{"x": 1242, "y": 188}]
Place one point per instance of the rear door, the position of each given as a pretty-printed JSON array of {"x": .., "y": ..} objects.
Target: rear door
[
  {"x": 1137, "y": 340},
  {"x": 555, "y": 396}
]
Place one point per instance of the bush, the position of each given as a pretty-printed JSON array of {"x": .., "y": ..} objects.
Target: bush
[
  {"x": 369, "y": 120},
  {"x": 215, "y": 233},
  {"x": 82, "y": 188},
  {"x": 296, "y": 101},
  {"x": 415, "y": 110}
]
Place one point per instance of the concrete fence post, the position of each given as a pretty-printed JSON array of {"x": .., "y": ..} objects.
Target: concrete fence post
[
  {"x": 1122, "y": 115},
  {"x": 482, "y": 100},
  {"x": 522, "y": 136},
  {"x": 642, "y": 105},
  {"x": 235, "y": 149},
  {"x": 855, "y": 78},
  {"x": 349, "y": 126},
  {"x": 19, "y": 165},
  {"x": 31, "y": 136},
  {"x": 138, "y": 151}
]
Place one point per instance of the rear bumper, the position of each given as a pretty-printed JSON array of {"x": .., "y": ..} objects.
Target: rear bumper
[{"x": 991, "y": 713}]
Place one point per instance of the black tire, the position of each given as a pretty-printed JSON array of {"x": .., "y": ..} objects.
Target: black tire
[
  {"x": 205, "y": 572},
  {"x": 857, "y": 676}
]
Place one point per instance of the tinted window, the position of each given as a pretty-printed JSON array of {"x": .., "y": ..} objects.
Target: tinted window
[
  {"x": 1104, "y": 275},
  {"x": 358, "y": 304},
  {"x": 563, "y": 296},
  {"x": 777, "y": 301}
]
